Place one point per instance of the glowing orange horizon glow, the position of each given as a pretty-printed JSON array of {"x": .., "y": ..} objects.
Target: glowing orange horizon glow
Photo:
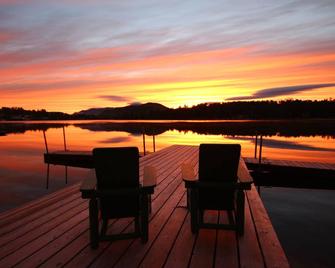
[
  {"x": 69, "y": 56},
  {"x": 172, "y": 80}
]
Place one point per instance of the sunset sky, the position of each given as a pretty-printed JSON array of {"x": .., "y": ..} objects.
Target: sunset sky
[{"x": 69, "y": 55}]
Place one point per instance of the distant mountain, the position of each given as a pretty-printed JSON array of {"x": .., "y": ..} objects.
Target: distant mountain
[{"x": 147, "y": 110}]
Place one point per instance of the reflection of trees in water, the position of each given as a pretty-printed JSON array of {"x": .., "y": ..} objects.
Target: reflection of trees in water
[
  {"x": 284, "y": 128},
  {"x": 136, "y": 129},
  {"x": 245, "y": 128},
  {"x": 280, "y": 144},
  {"x": 8, "y": 128}
]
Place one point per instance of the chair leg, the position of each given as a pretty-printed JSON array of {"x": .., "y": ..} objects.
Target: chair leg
[
  {"x": 188, "y": 199},
  {"x": 194, "y": 213},
  {"x": 144, "y": 219},
  {"x": 240, "y": 212},
  {"x": 137, "y": 225},
  {"x": 104, "y": 227},
  {"x": 231, "y": 217},
  {"x": 149, "y": 203},
  {"x": 94, "y": 223},
  {"x": 201, "y": 217}
]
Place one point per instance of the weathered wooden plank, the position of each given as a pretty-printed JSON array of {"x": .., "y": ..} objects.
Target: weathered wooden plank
[
  {"x": 37, "y": 244},
  {"x": 203, "y": 254},
  {"x": 38, "y": 223},
  {"x": 170, "y": 172},
  {"x": 273, "y": 252},
  {"x": 32, "y": 215},
  {"x": 226, "y": 246},
  {"x": 80, "y": 246},
  {"x": 52, "y": 226},
  {"x": 95, "y": 258},
  {"x": 249, "y": 249},
  {"x": 28, "y": 208},
  {"x": 166, "y": 164},
  {"x": 164, "y": 153},
  {"x": 168, "y": 169},
  {"x": 161, "y": 246},
  {"x": 57, "y": 244},
  {"x": 243, "y": 173},
  {"x": 181, "y": 252},
  {"x": 136, "y": 252}
]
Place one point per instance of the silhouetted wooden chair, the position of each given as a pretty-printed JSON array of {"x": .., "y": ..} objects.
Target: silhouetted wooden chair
[
  {"x": 220, "y": 186},
  {"x": 118, "y": 193}
]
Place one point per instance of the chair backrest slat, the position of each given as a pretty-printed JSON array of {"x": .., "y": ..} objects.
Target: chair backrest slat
[
  {"x": 219, "y": 162},
  {"x": 116, "y": 167}
]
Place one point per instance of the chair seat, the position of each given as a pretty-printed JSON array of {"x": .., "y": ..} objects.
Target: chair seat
[
  {"x": 119, "y": 206},
  {"x": 214, "y": 199}
]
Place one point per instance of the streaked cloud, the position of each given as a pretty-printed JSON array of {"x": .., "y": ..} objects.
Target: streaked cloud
[
  {"x": 168, "y": 51},
  {"x": 115, "y": 98},
  {"x": 135, "y": 103},
  {"x": 280, "y": 91},
  {"x": 116, "y": 140}
]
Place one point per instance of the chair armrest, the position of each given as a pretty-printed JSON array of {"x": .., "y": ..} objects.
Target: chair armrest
[
  {"x": 191, "y": 184},
  {"x": 187, "y": 172},
  {"x": 88, "y": 187},
  {"x": 148, "y": 189},
  {"x": 149, "y": 176},
  {"x": 244, "y": 178},
  {"x": 188, "y": 175}
]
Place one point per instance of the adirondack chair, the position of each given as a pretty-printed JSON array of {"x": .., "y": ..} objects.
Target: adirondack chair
[
  {"x": 217, "y": 187},
  {"x": 118, "y": 193}
]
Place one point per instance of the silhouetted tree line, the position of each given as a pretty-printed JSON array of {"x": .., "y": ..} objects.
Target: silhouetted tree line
[
  {"x": 17, "y": 113},
  {"x": 288, "y": 109}
]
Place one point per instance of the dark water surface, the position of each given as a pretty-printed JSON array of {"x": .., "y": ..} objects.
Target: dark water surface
[{"x": 304, "y": 220}]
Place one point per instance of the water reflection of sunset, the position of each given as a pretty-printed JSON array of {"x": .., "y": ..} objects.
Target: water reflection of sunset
[
  {"x": 22, "y": 167},
  {"x": 292, "y": 148}
]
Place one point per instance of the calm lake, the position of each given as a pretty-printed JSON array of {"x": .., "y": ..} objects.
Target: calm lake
[{"x": 23, "y": 174}]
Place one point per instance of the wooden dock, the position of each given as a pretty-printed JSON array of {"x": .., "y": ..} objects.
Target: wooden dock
[
  {"x": 276, "y": 173},
  {"x": 53, "y": 231},
  {"x": 284, "y": 173}
]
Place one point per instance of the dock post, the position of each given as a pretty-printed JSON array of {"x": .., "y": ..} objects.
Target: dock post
[
  {"x": 154, "y": 142},
  {"x": 260, "y": 149},
  {"x": 143, "y": 143},
  {"x": 256, "y": 140},
  {"x": 45, "y": 142},
  {"x": 64, "y": 139}
]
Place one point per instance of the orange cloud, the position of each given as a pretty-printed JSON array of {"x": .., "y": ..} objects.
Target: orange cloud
[{"x": 73, "y": 83}]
